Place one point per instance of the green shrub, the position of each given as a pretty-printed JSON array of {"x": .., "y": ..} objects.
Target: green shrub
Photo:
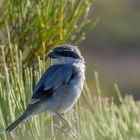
[
  {"x": 38, "y": 26},
  {"x": 92, "y": 118},
  {"x": 30, "y": 29}
]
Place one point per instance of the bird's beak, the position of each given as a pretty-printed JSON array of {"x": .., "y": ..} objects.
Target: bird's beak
[{"x": 52, "y": 55}]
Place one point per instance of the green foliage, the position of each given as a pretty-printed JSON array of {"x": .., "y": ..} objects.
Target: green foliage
[
  {"x": 31, "y": 29},
  {"x": 38, "y": 26},
  {"x": 96, "y": 118}
]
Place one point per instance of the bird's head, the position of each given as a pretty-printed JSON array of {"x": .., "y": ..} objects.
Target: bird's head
[{"x": 66, "y": 54}]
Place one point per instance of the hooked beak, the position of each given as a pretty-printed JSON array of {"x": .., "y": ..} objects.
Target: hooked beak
[{"x": 52, "y": 55}]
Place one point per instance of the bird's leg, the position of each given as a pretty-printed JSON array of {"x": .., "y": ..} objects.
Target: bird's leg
[{"x": 67, "y": 125}]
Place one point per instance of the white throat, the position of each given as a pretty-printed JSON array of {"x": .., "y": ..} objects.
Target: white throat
[
  {"x": 69, "y": 60},
  {"x": 63, "y": 60}
]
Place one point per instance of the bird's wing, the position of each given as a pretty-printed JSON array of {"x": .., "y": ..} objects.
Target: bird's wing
[{"x": 51, "y": 80}]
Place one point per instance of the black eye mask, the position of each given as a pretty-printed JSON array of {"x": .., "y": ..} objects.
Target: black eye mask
[{"x": 68, "y": 54}]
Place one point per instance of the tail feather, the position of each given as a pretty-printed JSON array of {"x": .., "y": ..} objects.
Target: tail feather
[{"x": 13, "y": 126}]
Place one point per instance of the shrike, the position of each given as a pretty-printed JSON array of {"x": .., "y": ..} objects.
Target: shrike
[{"x": 60, "y": 86}]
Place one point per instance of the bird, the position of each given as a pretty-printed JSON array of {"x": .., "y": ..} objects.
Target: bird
[{"x": 60, "y": 86}]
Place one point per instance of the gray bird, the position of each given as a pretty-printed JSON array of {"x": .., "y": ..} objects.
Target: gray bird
[{"x": 60, "y": 86}]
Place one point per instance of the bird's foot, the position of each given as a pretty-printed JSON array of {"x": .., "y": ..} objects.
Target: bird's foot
[{"x": 65, "y": 128}]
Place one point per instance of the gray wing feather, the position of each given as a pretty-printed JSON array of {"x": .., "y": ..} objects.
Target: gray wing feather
[
  {"x": 62, "y": 75},
  {"x": 54, "y": 77},
  {"x": 45, "y": 76}
]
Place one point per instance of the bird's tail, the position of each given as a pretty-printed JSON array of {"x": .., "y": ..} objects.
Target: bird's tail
[{"x": 13, "y": 126}]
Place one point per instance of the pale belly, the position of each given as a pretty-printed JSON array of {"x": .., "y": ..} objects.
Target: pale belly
[
  {"x": 65, "y": 99},
  {"x": 62, "y": 100}
]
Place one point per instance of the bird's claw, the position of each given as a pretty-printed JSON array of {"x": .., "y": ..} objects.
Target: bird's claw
[{"x": 65, "y": 128}]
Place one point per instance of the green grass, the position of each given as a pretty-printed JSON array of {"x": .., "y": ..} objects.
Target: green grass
[
  {"x": 93, "y": 118},
  {"x": 29, "y": 30}
]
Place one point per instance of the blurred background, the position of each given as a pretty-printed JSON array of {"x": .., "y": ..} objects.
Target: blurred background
[{"x": 113, "y": 47}]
